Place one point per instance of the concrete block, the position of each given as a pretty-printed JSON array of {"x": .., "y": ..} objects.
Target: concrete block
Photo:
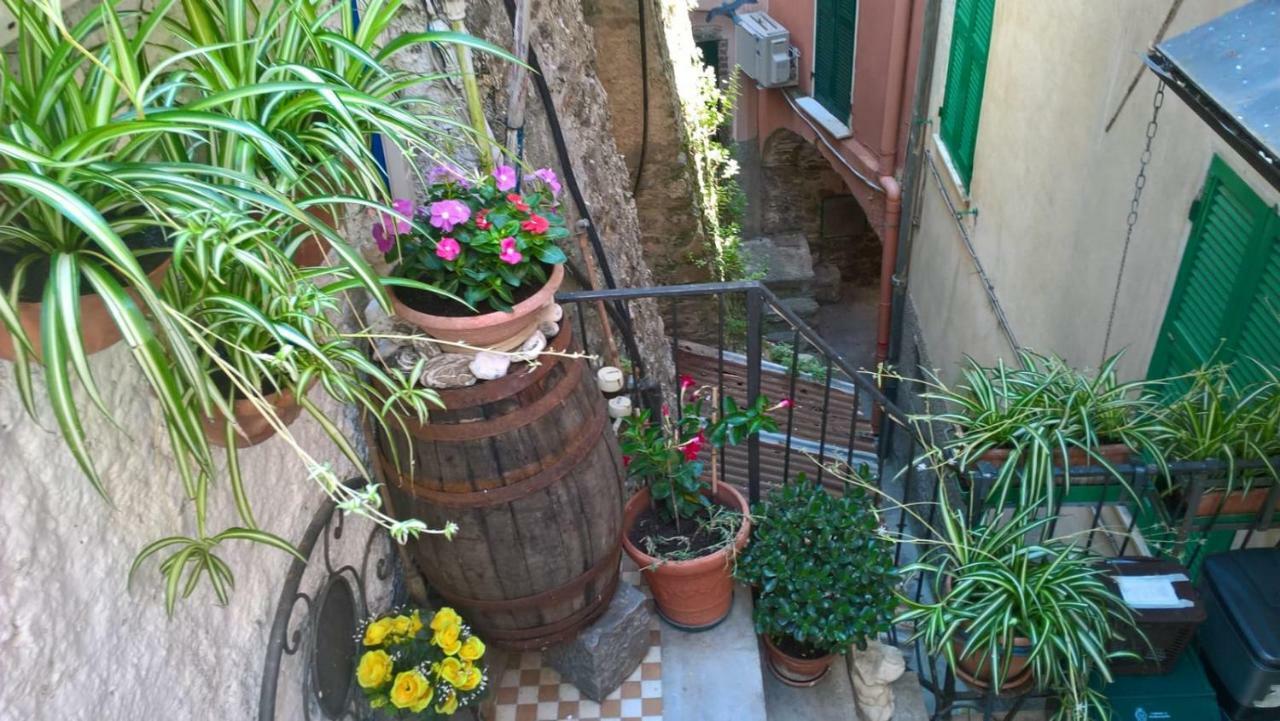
[
  {"x": 783, "y": 262},
  {"x": 604, "y": 654}
]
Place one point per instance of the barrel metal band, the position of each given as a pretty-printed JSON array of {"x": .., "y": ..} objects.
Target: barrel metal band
[
  {"x": 608, "y": 562},
  {"x": 552, "y": 633},
  {"x": 583, "y": 443}
]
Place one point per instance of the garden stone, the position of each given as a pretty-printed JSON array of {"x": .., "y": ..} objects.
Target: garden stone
[
  {"x": 607, "y": 651},
  {"x": 872, "y": 672},
  {"x": 530, "y": 349},
  {"x": 448, "y": 370},
  {"x": 490, "y": 366},
  {"x": 553, "y": 313},
  {"x": 549, "y": 328}
]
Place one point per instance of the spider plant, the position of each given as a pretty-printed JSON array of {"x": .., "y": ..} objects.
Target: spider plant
[
  {"x": 1040, "y": 411},
  {"x": 1217, "y": 418},
  {"x": 990, "y": 590}
]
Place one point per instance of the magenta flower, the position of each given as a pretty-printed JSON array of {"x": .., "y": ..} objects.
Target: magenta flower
[
  {"x": 505, "y": 175},
  {"x": 548, "y": 176},
  {"x": 447, "y": 213},
  {"x": 448, "y": 249},
  {"x": 389, "y": 226},
  {"x": 509, "y": 254}
]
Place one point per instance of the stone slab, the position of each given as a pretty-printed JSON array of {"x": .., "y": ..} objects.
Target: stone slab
[
  {"x": 908, "y": 699},
  {"x": 607, "y": 651},
  {"x": 831, "y": 699},
  {"x": 715, "y": 674},
  {"x": 783, "y": 262}
]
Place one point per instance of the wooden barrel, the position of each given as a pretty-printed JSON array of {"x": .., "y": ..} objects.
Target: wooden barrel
[{"x": 528, "y": 467}]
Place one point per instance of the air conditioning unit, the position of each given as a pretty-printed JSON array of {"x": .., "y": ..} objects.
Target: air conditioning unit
[{"x": 764, "y": 50}]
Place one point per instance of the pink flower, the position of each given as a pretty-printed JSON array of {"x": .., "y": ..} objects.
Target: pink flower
[
  {"x": 536, "y": 224},
  {"x": 693, "y": 446},
  {"x": 448, "y": 249},
  {"x": 505, "y": 175},
  {"x": 447, "y": 213},
  {"x": 686, "y": 382},
  {"x": 548, "y": 176},
  {"x": 666, "y": 410},
  {"x": 783, "y": 404},
  {"x": 509, "y": 254},
  {"x": 389, "y": 226}
]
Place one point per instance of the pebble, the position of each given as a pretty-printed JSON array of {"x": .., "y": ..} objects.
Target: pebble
[{"x": 489, "y": 366}]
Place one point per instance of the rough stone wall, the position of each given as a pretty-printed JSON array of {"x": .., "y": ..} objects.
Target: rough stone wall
[{"x": 75, "y": 641}]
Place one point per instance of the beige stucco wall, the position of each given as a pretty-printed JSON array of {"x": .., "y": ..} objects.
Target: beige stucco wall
[{"x": 1052, "y": 188}]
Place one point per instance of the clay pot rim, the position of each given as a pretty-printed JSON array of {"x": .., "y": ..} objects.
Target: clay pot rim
[
  {"x": 543, "y": 297},
  {"x": 1000, "y": 454},
  {"x": 694, "y": 566},
  {"x": 825, "y": 658}
]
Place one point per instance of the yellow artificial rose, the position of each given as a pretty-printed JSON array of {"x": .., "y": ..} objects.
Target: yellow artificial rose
[
  {"x": 472, "y": 650},
  {"x": 411, "y": 690},
  {"x": 377, "y": 632},
  {"x": 449, "y": 706},
  {"x": 474, "y": 677},
  {"x": 444, "y": 618},
  {"x": 402, "y": 626},
  {"x": 374, "y": 669},
  {"x": 447, "y": 639},
  {"x": 415, "y": 623},
  {"x": 453, "y": 671}
]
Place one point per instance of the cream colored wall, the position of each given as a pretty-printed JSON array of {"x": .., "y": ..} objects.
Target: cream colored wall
[{"x": 1052, "y": 188}]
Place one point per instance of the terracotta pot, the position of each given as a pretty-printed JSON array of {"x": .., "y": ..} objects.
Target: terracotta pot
[
  {"x": 98, "y": 330},
  {"x": 1115, "y": 453},
  {"x": 254, "y": 427},
  {"x": 499, "y": 330},
  {"x": 314, "y": 250},
  {"x": 1237, "y": 502},
  {"x": 793, "y": 670},
  {"x": 976, "y": 669},
  {"x": 694, "y": 594}
]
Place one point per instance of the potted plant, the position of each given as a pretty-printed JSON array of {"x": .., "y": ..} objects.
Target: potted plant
[
  {"x": 1216, "y": 418},
  {"x": 682, "y": 531},
  {"x": 413, "y": 668},
  {"x": 824, "y": 577},
  {"x": 490, "y": 247},
  {"x": 1038, "y": 418},
  {"x": 1009, "y": 614}
]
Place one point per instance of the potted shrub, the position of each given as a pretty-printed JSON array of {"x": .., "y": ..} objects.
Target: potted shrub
[
  {"x": 824, "y": 577},
  {"x": 1041, "y": 417},
  {"x": 488, "y": 246},
  {"x": 1215, "y": 418},
  {"x": 682, "y": 531},
  {"x": 414, "y": 665},
  {"x": 1009, "y": 614}
]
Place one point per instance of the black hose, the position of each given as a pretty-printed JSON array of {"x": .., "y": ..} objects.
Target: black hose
[
  {"x": 644, "y": 98},
  {"x": 617, "y": 309}
]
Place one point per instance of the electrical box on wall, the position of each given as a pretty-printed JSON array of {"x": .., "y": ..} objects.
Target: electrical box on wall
[{"x": 764, "y": 50}]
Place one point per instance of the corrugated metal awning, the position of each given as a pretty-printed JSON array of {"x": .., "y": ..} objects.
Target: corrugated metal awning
[{"x": 1228, "y": 71}]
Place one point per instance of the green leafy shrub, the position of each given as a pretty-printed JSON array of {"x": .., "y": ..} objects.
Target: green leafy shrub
[{"x": 824, "y": 571}]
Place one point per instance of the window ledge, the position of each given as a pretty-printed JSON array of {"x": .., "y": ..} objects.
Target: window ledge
[
  {"x": 823, "y": 117},
  {"x": 951, "y": 181}
]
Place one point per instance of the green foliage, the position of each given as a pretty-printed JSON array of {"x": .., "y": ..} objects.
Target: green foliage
[
  {"x": 505, "y": 242},
  {"x": 824, "y": 572},
  {"x": 1039, "y": 410},
  {"x": 991, "y": 583},
  {"x": 664, "y": 455},
  {"x": 722, "y": 200}
]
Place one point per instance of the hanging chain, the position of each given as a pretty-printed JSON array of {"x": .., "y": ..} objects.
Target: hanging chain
[{"x": 1139, "y": 183}]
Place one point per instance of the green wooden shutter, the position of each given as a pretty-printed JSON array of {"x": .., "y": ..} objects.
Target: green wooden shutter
[
  {"x": 834, "y": 31},
  {"x": 1225, "y": 305},
  {"x": 966, "y": 77}
]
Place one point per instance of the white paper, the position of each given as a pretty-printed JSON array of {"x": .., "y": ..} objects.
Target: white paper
[{"x": 1150, "y": 591}]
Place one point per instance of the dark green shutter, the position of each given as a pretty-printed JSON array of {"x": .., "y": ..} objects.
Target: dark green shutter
[
  {"x": 833, "y": 56},
  {"x": 1225, "y": 305},
  {"x": 966, "y": 76}
]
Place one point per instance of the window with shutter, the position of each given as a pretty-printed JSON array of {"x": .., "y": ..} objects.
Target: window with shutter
[
  {"x": 966, "y": 75},
  {"x": 834, "y": 31},
  {"x": 1225, "y": 305}
]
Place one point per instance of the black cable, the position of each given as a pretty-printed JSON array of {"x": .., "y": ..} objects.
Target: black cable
[
  {"x": 619, "y": 310},
  {"x": 644, "y": 98}
]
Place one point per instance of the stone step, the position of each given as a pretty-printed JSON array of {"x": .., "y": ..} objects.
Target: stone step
[
  {"x": 782, "y": 262},
  {"x": 714, "y": 675}
]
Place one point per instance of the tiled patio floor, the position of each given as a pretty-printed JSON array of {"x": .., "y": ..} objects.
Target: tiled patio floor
[{"x": 529, "y": 691}]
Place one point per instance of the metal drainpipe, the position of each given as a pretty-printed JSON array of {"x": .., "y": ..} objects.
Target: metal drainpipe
[{"x": 455, "y": 11}]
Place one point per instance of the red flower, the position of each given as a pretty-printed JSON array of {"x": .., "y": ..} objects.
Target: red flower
[
  {"x": 536, "y": 224},
  {"x": 518, "y": 202},
  {"x": 481, "y": 223},
  {"x": 666, "y": 409},
  {"x": 626, "y": 461},
  {"x": 686, "y": 382},
  {"x": 785, "y": 403},
  {"x": 694, "y": 446}
]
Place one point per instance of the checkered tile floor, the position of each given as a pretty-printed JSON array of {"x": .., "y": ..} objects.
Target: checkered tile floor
[{"x": 530, "y": 692}]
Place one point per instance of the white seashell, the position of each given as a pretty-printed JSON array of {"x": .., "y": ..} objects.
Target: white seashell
[
  {"x": 448, "y": 370},
  {"x": 532, "y": 346}
]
